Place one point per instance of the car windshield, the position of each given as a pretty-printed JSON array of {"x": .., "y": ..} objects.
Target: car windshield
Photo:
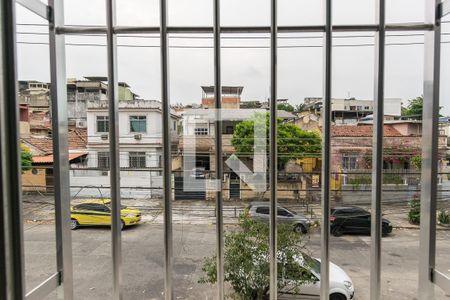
[
  {"x": 292, "y": 212},
  {"x": 312, "y": 263}
]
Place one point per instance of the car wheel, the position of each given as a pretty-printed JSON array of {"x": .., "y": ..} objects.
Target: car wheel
[
  {"x": 336, "y": 232},
  {"x": 337, "y": 297},
  {"x": 74, "y": 224},
  {"x": 299, "y": 228},
  {"x": 122, "y": 226}
]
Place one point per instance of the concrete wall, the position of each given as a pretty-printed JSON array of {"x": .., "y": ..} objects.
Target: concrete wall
[
  {"x": 136, "y": 187},
  {"x": 34, "y": 182}
]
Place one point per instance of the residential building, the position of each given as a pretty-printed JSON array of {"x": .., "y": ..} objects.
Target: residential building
[
  {"x": 93, "y": 88},
  {"x": 24, "y": 120},
  {"x": 231, "y": 97},
  {"x": 351, "y": 110},
  {"x": 35, "y": 94},
  {"x": 199, "y": 138},
  {"x": 140, "y": 132},
  {"x": 352, "y": 147},
  {"x": 40, "y": 177}
]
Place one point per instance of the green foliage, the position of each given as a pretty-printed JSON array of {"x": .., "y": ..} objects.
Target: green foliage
[
  {"x": 293, "y": 142},
  {"x": 299, "y": 107},
  {"x": 246, "y": 260},
  {"x": 285, "y": 107},
  {"x": 416, "y": 162},
  {"x": 26, "y": 158},
  {"x": 414, "y": 108},
  {"x": 358, "y": 180},
  {"x": 444, "y": 216},
  {"x": 414, "y": 211}
]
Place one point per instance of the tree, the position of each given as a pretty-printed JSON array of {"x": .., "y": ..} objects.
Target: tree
[
  {"x": 285, "y": 107},
  {"x": 299, "y": 107},
  {"x": 26, "y": 158},
  {"x": 246, "y": 260},
  {"x": 293, "y": 142},
  {"x": 414, "y": 108},
  {"x": 416, "y": 161}
]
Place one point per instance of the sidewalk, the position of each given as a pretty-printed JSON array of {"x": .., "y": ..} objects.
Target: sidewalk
[{"x": 41, "y": 209}]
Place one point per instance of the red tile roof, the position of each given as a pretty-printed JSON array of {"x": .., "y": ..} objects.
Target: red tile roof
[
  {"x": 77, "y": 141},
  {"x": 48, "y": 159},
  {"x": 361, "y": 131}
]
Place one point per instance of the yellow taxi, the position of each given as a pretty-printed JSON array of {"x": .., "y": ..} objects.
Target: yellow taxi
[{"x": 98, "y": 212}]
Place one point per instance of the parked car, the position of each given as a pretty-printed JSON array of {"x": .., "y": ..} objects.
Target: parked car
[
  {"x": 198, "y": 172},
  {"x": 341, "y": 286},
  {"x": 260, "y": 211},
  {"x": 98, "y": 212},
  {"x": 352, "y": 219}
]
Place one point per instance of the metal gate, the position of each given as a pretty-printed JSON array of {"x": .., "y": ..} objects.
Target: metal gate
[
  {"x": 183, "y": 194},
  {"x": 11, "y": 246}
]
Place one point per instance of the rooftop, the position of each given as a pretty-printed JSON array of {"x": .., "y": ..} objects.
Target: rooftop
[
  {"x": 225, "y": 89},
  {"x": 361, "y": 131},
  {"x": 48, "y": 159},
  {"x": 77, "y": 141}
]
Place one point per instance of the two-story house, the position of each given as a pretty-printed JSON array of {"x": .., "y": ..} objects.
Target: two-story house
[{"x": 140, "y": 136}]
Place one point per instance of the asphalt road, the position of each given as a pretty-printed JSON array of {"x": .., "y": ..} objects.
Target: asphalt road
[{"x": 143, "y": 260}]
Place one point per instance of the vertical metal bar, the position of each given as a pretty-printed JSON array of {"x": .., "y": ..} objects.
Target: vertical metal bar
[
  {"x": 11, "y": 244},
  {"x": 273, "y": 150},
  {"x": 167, "y": 168},
  {"x": 60, "y": 149},
  {"x": 326, "y": 156},
  {"x": 114, "y": 148},
  {"x": 218, "y": 152},
  {"x": 430, "y": 136},
  {"x": 377, "y": 156}
]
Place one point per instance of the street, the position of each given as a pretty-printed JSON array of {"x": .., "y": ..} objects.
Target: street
[{"x": 142, "y": 248}]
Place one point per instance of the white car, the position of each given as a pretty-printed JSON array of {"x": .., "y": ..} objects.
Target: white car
[{"x": 341, "y": 286}]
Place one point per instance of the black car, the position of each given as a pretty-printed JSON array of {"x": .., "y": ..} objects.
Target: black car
[{"x": 354, "y": 220}]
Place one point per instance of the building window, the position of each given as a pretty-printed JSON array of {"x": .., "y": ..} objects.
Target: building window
[
  {"x": 137, "y": 160},
  {"x": 102, "y": 124},
  {"x": 103, "y": 160},
  {"x": 138, "y": 123},
  {"x": 229, "y": 130},
  {"x": 201, "y": 131},
  {"x": 174, "y": 124},
  {"x": 349, "y": 162},
  {"x": 367, "y": 107}
]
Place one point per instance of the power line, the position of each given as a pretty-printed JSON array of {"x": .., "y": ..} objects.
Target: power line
[
  {"x": 227, "y": 47},
  {"x": 238, "y": 37}
]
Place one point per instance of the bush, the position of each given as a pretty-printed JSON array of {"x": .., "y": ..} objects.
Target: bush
[
  {"x": 246, "y": 260},
  {"x": 414, "y": 211},
  {"x": 444, "y": 217}
]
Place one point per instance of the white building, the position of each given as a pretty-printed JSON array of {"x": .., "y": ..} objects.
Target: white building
[
  {"x": 140, "y": 135},
  {"x": 350, "y": 111}
]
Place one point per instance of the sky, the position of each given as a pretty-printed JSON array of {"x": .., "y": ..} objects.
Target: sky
[{"x": 300, "y": 69}]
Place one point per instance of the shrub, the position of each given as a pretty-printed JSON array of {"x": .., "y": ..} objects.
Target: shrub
[
  {"x": 246, "y": 260},
  {"x": 414, "y": 211},
  {"x": 444, "y": 217}
]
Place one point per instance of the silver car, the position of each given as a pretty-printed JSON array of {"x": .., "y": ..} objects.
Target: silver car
[{"x": 260, "y": 211}]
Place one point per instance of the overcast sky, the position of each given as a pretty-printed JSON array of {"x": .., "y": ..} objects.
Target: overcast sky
[{"x": 300, "y": 68}]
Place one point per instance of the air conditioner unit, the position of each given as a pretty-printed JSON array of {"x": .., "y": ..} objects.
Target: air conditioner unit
[
  {"x": 81, "y": 124},
  {"x": 138, "y": 136},
  {"x": 104, "y": 136}
]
